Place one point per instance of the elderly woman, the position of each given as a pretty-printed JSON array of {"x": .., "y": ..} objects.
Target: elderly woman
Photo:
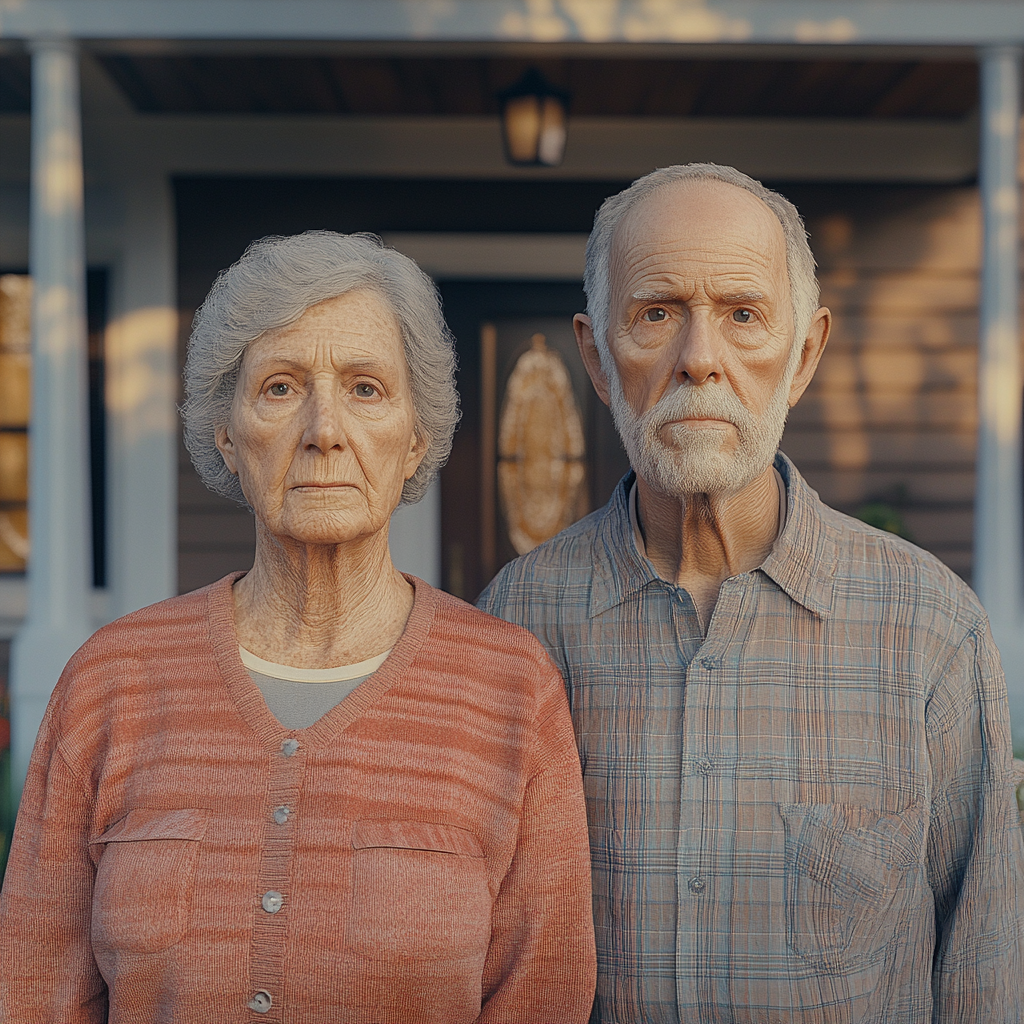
[{"x": 318, "y": 791}]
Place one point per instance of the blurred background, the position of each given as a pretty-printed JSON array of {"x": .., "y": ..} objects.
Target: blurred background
[{"x": 144, "y": 145}]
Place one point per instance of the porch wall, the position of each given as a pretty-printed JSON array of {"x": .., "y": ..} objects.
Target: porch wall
[{"x": 892, "y": 413}]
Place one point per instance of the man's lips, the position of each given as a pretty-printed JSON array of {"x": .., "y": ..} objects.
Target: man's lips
[{"x": 686, "y": 421}]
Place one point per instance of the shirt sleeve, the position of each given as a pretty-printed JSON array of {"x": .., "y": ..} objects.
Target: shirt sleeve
[
  {"x": 541, "y": 964},
  {"x": 975, "y": 848},
  {"x": 47, "y": 971}
]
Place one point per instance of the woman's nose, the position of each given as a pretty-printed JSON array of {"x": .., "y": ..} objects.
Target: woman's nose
[{"x": 325, "y": 428}]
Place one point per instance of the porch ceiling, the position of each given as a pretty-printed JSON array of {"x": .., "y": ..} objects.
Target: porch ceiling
[{"x": 281, "y": 84}]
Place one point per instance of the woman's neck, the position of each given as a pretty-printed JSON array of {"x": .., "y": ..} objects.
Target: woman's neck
[{"x": 318, "y": 606}]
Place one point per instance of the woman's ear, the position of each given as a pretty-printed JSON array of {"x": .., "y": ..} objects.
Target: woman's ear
[
  {"x": 226, "y": 447},
  {"x": 417, "y": 450}
]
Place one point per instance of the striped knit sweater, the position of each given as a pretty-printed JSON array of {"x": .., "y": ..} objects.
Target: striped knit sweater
[{"x": 418, "y": 854}]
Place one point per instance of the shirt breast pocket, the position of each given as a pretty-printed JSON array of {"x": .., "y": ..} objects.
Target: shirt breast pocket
[
  {"x": 852, "y": 878},
  {"x": 146, "y": 866},
  {"x": 419, "y": 890}
]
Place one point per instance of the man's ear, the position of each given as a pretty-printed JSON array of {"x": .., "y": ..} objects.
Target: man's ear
[
  {"x": 591, "y": 357},
  {"x": 226, "y": 447},
  {"x": 814, "y": 346}
]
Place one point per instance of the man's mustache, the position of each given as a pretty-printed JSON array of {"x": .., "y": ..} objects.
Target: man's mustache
[{"x": 704, "y": 402}]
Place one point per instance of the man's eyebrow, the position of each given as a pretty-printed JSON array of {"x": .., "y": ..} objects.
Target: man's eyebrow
[{"x": 650, "y": 295}]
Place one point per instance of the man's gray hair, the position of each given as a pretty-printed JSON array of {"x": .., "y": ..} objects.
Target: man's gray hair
[
  {"x": 276, "y": 280},
  {"x": 803, "y": 285}
]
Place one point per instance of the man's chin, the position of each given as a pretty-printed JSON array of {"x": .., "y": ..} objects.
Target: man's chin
[{"x": 716, "y": 475}]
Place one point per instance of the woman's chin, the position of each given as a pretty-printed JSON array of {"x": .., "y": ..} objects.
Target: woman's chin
[{"x": 327, "y": 529}]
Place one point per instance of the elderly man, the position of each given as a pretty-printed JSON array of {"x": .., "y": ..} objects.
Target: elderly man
[{"x": 793, "y": 727}]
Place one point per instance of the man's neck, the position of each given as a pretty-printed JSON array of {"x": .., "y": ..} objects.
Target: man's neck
[{"x": 700, "y": 542}]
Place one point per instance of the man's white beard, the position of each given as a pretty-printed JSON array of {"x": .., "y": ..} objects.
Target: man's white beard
[{"x": 696, "y": 462}]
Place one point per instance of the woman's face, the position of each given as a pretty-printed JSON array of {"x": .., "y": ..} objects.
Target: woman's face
[{"x": 321, "y": 432}]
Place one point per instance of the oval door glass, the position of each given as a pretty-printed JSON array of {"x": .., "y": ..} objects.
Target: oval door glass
[{"x": 541, "y": 451}]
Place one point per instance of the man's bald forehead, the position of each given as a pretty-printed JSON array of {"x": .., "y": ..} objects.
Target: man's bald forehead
[{"x": 731, "y": 198}]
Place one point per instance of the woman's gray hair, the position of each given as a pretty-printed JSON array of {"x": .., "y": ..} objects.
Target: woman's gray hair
[
  {"x": 276, "y": 280},
  {"x": 803, "y": 285}
]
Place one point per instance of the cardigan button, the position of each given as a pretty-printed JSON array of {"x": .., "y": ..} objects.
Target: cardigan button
[
  {"x": 289, "y": 747},
  {"x": 272, "y": 901},
  {"x": 281, "y": 814},
  {"x": 261, "y": 1001}
]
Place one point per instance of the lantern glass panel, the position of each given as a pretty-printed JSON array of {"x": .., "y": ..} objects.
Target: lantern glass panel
[
  {"x": 523, "y": 127},
  {"x": 551, "y": 145}
]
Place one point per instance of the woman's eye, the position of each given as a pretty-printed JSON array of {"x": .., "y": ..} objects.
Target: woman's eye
[
  {"x": 656, "y": 315},
  {"x": 278, "y": 390},
  {"x": 365, "y": 391},
  {"x": 742, "y": 316}
]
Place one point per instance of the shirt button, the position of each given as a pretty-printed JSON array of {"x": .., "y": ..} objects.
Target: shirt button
[
  {"x": 289, "y": 747},
  {"x": 272, "y": 901},
  {"x": 261, "y": 1001},
  {"x": 696, "y": 885},
  {"x": 281, "y": 814},
  {"x": 709, "y": 662},
  {"x": 704, "y": 766}
]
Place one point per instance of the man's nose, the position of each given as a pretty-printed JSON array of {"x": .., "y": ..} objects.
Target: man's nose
[
  {"x": 698, "y": 359},
  {"x": 325, "y": 421}
]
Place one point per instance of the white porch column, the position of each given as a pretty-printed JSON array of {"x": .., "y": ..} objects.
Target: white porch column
[
  {"x": 998, "y": 550},
  {"x": 59, "y": 566},
  {"x": 142, "y": 379}
]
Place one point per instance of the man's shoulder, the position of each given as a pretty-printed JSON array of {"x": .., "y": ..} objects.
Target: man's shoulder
[
  {"x": 555, "y": 573},
  {"x": 870, "y": 559},
  {"x": 570, "y": 550}
]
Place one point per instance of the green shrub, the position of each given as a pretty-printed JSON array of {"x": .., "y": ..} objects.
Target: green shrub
[{"x": 884, "y": 517}]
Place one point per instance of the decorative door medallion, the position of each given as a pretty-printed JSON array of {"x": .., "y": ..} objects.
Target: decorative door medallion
[{"x": 541, "y": 451}]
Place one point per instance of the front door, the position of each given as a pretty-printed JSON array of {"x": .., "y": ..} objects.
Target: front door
[{"x": 536, "y": 450}]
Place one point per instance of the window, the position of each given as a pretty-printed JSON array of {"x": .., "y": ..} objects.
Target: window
[
  {"x": 15, "y": 394},
  {"x": 15, "y": 401}
]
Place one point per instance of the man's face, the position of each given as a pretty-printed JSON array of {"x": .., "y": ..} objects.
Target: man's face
[{"x": 701, "y": 334}]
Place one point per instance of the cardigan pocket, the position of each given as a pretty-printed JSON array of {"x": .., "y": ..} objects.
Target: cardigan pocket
[
  {"x": 852, "y": 880},
  {"x": 144, "y": 878},
  {"x": 419, "y": 890}
]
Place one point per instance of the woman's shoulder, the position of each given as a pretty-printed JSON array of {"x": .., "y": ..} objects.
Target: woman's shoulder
[{"x": 173, "y": 628}]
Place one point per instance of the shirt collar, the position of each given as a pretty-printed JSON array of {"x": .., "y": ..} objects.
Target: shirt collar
[
  {"x": 802, "y": 560},
  {"x": 619, "y": 569}
]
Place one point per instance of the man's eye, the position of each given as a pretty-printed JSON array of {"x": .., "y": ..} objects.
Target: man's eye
[
  {"x": 278, "y": 390},
  {"x": 742, "y": 316},
  {"x": 656, "y": 315},
  {"x": 365, "y": 391}
]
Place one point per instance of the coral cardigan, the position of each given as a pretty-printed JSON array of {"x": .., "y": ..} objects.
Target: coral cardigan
[{"x": 419, "y": 854}]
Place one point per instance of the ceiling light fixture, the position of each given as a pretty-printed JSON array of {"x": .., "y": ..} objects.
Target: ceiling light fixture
[{"x": 534, "y": 119}]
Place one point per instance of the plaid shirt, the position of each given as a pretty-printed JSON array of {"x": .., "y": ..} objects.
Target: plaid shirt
[{"x": 805, "y": 816}]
